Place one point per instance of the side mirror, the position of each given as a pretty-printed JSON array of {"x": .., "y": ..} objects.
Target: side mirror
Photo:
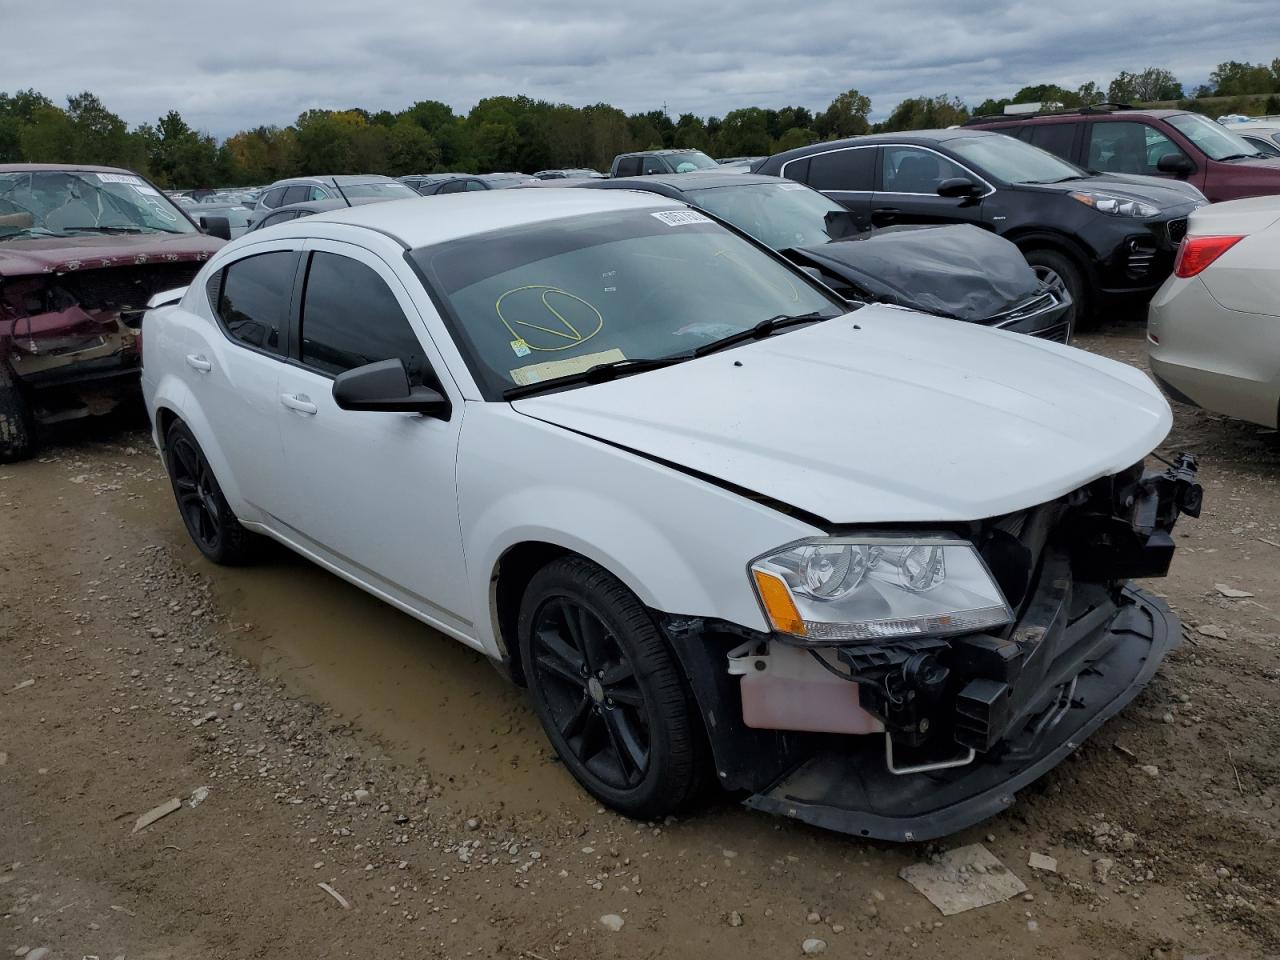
[
  {"x": 958, "y": 187},
  {"x": 1176, "y": 164},
  {"x": 842, "y": 224},
  {"x": 216, "y": 227},
  {"x": 384, "y": 387}
]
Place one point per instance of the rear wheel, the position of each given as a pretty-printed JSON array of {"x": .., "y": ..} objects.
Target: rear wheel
[
  {"x": 1061, "y": 272},
  {"x": 608, "y": 691},
  {"x": 16, "y": 431},
  {"x": 209, "y": 520}
]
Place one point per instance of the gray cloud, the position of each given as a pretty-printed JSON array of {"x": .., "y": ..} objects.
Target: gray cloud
[{"x": 234, "y": 64}]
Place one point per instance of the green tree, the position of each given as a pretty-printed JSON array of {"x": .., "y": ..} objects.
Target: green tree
[
  {"x": 846, "y": 116},
  {"x": 1233, "y": 78},
  {"x": 691, "y": 133},
  {"x": 412, "y": 150},
  {"x": 16, "y": 113},
  {"x": 1153, "y": 83},
  {"x": 926, "y": 113},
  {"x": 744, "y": 132},
  {"x": 792, "y": 138}
]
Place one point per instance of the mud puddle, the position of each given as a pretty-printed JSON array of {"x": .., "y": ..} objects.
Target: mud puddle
[{"x": 429, "y": 699}]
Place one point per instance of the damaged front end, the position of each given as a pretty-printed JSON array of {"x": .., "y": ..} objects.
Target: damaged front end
[
  {"x": 72, "y": 339},
  {"x": 913, "y": 737}
]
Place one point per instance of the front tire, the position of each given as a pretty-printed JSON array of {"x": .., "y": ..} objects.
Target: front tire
[
  {"x": 608, "y": 691},
  {"x": 16, "y": 433},
  {"x": 212, "y": 525},
  {"x": 1057, "y": 269}
]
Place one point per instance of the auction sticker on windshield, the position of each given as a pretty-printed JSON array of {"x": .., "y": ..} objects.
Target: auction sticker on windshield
[
  {"x": 680, "y": 218},
  {"x": 120, "y": 178},
  {"x": 537, "y": 372}
]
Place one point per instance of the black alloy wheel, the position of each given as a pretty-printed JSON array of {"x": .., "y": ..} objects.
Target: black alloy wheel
[
  {"x": 609, "y": 692},
  {"x": 591, "y": 692},
  {"x": 208, "y": 518}
]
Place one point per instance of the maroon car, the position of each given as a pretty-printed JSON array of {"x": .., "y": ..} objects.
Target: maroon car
[
  {"x": 1118, "y": 139},
  {"x": 82, "y": 250}
]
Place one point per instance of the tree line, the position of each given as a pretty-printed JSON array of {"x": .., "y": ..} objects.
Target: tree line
[{"x": 522, "y": 134}]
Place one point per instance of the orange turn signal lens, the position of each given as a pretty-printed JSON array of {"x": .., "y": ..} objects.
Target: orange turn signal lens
[{"x": 778, "y": 604}]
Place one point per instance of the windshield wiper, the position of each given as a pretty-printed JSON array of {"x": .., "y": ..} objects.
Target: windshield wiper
[
  {"x": 1239, "y": 156},
  {"x": 1074, "y": 176},
  {"x": 105, "y": 229},
  {"x": 597, "y": 374},
  {"x": 765, "y": 328}
]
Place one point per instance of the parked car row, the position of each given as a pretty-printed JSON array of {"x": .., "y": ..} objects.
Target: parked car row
[
  {"x": 1105, "y": 239},
  {"x": 680, "y": 489}
]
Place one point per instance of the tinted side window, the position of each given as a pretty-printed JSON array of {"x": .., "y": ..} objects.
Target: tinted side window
[
  {"x": 654, "y": 165},
  {"x": 629, "y": 167},
  {"x": 297, "y": 194},
  {"x": 453, "y": 186},
  {"x": 852, "y": 169},
  {"x": 1126, "y": 146},
  {"x": 272, "y": 197},
  {"x": 1057, "y": 138},
  {"x": 350, "y": 317},
  {"x": 915, "y": 170},
  {"x": 253, "y": 303},
  {"x": 476, "y": 185},
  {"x": 280, "y": 217}
]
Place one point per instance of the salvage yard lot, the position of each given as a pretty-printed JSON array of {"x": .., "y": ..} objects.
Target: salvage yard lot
[{"x": 342, "y": 742}]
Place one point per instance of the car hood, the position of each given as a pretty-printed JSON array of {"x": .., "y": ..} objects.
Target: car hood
[
  {"x": 29, "y": 256},
  {"x": 882, "y": 415},
  {"x": 1166, "y": 194},
  {"x": 957, "y": 270}
]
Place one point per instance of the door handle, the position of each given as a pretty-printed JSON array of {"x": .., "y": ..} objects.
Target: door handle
[
  {"x": 886, "y": 213},
  {"x": 299, "y": 402},
  {"x": 197, "y": 362}
]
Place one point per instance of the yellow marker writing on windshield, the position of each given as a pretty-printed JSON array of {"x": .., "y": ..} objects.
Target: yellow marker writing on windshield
[{"x": 556, "y": 332}]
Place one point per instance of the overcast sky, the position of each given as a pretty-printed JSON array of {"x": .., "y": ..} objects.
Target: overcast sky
[{"x": 231, "y": 64}]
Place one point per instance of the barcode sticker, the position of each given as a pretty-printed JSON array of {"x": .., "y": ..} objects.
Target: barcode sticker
[{"x": 680, "y": 218}]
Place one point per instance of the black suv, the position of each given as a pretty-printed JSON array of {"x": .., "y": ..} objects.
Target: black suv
[
  {"x": 1104, "y": 238},
  {"x": 645, "y": 163}
]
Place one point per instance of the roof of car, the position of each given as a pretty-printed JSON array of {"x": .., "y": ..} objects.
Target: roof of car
[
  {"x": 902, "y": 136},
  {"x": 682, "y": 182},
  {"x": 59, "y": 167},
  {"x": 659, "y": 153},
  {"x": 1052, "y": 115},
  {"x": 340, "y": 179},
  {"x": 419, "y": 222}
]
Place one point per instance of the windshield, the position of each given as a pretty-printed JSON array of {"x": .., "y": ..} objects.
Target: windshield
[
  {"x": 380, "y": 190},
  {"x": 1013, "y": 161},
  {"x": 65, "y": 202},
  {"x": 1214, "y": 139},
  {"x": 780, "y": 215},
  {"x": 690, "y": 161},
  {"x": 551, "y": 299}
]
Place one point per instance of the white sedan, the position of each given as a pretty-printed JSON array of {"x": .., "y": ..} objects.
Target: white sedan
[
  {"x": 1214, "y": 327},
  {"x": 867, "y": 568}
]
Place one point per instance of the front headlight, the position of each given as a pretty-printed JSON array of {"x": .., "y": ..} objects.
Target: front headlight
[
  {"x": 841, "y": 589},
  {"x": 1115, "y": 206}
]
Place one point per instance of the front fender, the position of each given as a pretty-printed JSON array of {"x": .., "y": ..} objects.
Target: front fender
[{"x": 681, "y": 544}]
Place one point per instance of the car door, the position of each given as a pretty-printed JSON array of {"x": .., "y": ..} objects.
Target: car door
[
  {"x": 907, "y": 188},
  {"x": 846, "y": 175},
  {"x": 233, "y": 371},
  {"x": 372, "y": 494}
]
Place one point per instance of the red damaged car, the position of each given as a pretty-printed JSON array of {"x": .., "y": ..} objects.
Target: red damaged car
[{"x": 82, "y": 250}]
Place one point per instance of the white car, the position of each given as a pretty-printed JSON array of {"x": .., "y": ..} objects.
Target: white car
[
  {"x": 1214, "y": 326},
  {"x": 867, "y": 567}
]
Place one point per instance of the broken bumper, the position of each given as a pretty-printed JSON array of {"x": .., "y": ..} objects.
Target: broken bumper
[{"x": 850, "y": 789}]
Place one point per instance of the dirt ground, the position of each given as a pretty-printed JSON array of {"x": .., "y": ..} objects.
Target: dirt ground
[{"x": 343, "y": 743}]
